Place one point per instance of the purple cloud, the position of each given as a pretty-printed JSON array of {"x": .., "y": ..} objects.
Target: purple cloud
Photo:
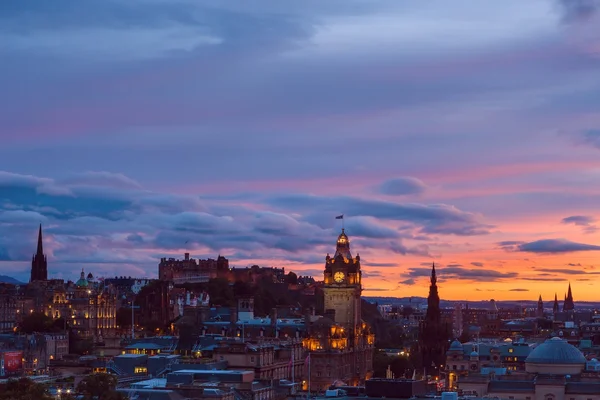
[
  {"x": 555, "y": 246},
  {"x": 402, "y": 186}
]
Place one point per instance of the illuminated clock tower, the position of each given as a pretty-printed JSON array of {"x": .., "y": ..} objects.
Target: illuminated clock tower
[{"x": 342, "y": 290}]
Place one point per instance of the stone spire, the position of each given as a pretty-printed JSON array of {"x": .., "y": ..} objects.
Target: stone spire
[
  {"x": 39, "y": 263},
  {"x": 555, "y": 307},
  {"x": 569, "y": 305},
  {"x": 433, "y": 300},
  {"x": 540, "y": 307}
]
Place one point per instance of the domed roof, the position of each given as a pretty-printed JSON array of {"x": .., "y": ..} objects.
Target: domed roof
[
  {"x": 555, "y": 351},
  {"x": 456, "y": 346},
  {"x": 82, "y": 282},
  {"x": 474, "y": 354}
]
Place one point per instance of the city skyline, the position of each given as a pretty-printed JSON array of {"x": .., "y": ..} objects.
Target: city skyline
[{"x": 466, "y": 135}]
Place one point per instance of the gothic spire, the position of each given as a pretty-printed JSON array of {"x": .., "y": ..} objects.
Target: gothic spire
[
  {"x": 569, "y": 293},
  {"x": 40, "y": 246},
  {"x": 39, "y": 264},
  {"x": 433, "y": 300}
]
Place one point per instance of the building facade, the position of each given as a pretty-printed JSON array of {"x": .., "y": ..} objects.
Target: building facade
[
  {"x": 340, "y": 344},
  {"x": 190, "y": 270}
]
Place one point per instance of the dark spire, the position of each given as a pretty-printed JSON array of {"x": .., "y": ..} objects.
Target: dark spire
[
  {"x": 40, "y": 246},
  {"x": 555, "y": 307},
  {"x": 540, "y": 299},
  {"x": 569, "y": 304},
  {"x": 433, "y": 300},
  {"x": 39, "y": 264}
]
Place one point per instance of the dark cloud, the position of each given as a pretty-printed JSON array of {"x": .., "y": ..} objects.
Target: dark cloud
[
  {"x": 477, "y": 264},
  {"x": 509, "y": 245},
  {"x": 519, "y": 290},
  {"x": 377, "y": 264},
  {"x": 579, "y": 10},
  {"x": 566, "y": 271},
  {"x": 574, "y": 265},
  {"x": 407, "y": 282},
  {"x": 402, "y": 186},
  {"x": 432, "y": 219},
  {"x": 581, "y": 220},
  {"x": 460, "y": 273},
  {"x": 555, "y": 246},
  {"x": 539, "y": 279}
]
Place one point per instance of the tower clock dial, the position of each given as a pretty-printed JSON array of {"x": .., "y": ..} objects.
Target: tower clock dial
[{"x": 339, "y": 277}]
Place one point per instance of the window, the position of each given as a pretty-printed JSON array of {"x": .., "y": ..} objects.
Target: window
[
  {"x": 140, "y": 370},
  {"x": 511, "y": 350}
]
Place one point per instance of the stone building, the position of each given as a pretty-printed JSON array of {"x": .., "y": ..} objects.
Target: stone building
[
  {"x": 554, "y": 370},
  {"x": 88, "y": 306},
  {"x": 340, "y": 344},
  {"x": 190, "y": 270}
]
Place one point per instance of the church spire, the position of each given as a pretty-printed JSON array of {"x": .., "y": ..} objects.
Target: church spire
[
  {"x": 555, "y": 307},
  {"x": 40, "y": 246},
  {"x": 39, "y": 264},
  {"x": 569, "y": 305}
]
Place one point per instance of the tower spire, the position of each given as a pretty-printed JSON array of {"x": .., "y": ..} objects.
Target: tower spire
[
  {"x": 39, "y": 263},
  {"x": 40, "y": 246}
]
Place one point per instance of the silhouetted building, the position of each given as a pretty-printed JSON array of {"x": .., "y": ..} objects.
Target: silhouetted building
[
  {"x": 190, "y": 270},
  {"x": 39, "y": 263},
  {"x": 540, "y": 308},
  {"x": 433, "y": 335},
  {"x": 555, "y": 307},
  {"x": 569, "y": 305}
]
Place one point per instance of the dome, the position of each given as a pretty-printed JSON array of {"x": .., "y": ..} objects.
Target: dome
[
  {"x": 474, "y": 354},
  {"x": 90, "y": 277},
  {"x": 456, "y": 346},
  {"x": 82, "y": 282},
  {"x": 555, "y": 356}
]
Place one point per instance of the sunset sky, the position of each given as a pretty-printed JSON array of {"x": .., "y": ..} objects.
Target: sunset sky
[{"x": 461, "y": 132}]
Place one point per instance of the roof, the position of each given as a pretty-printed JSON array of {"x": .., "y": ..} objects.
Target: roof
[
  {"x": 144, "y": 346},
  {"x": 556, "y": 351},
  {"x": 456, "y": 346}
]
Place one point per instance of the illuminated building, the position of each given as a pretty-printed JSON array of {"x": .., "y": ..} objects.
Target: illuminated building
[{"x": 340, "y": 343}]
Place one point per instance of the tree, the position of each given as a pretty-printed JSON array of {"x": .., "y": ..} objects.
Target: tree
[
  {"x": 23, "y": 389},
  {"x": 291, "y": 278},
  {"x": 123, "y": 318},
  {"x": 37, "y": 322},
  {"x": 99, "y": 387},
  {"x": 220, "y": 292}
]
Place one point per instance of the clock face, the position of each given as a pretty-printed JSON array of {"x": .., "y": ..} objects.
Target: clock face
[{"x": 338, "y": 276}]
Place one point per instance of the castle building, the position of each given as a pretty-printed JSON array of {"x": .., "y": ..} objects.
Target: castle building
[
  {"x": 433, "y": 333},
  {"x": 190, "y": 270},
  {"x": 39, "y": 263}
]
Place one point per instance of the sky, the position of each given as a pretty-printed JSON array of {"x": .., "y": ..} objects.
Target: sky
[{"x": 465, "y": 133}]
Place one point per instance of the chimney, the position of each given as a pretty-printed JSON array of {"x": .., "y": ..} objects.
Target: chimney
[{"x": 274, "y": 320}]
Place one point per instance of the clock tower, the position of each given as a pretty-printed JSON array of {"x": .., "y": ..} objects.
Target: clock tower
[{"x": 342, "y": 290}]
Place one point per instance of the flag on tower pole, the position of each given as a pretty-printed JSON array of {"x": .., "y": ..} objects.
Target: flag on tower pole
[{"x": 340, "y": 217}]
